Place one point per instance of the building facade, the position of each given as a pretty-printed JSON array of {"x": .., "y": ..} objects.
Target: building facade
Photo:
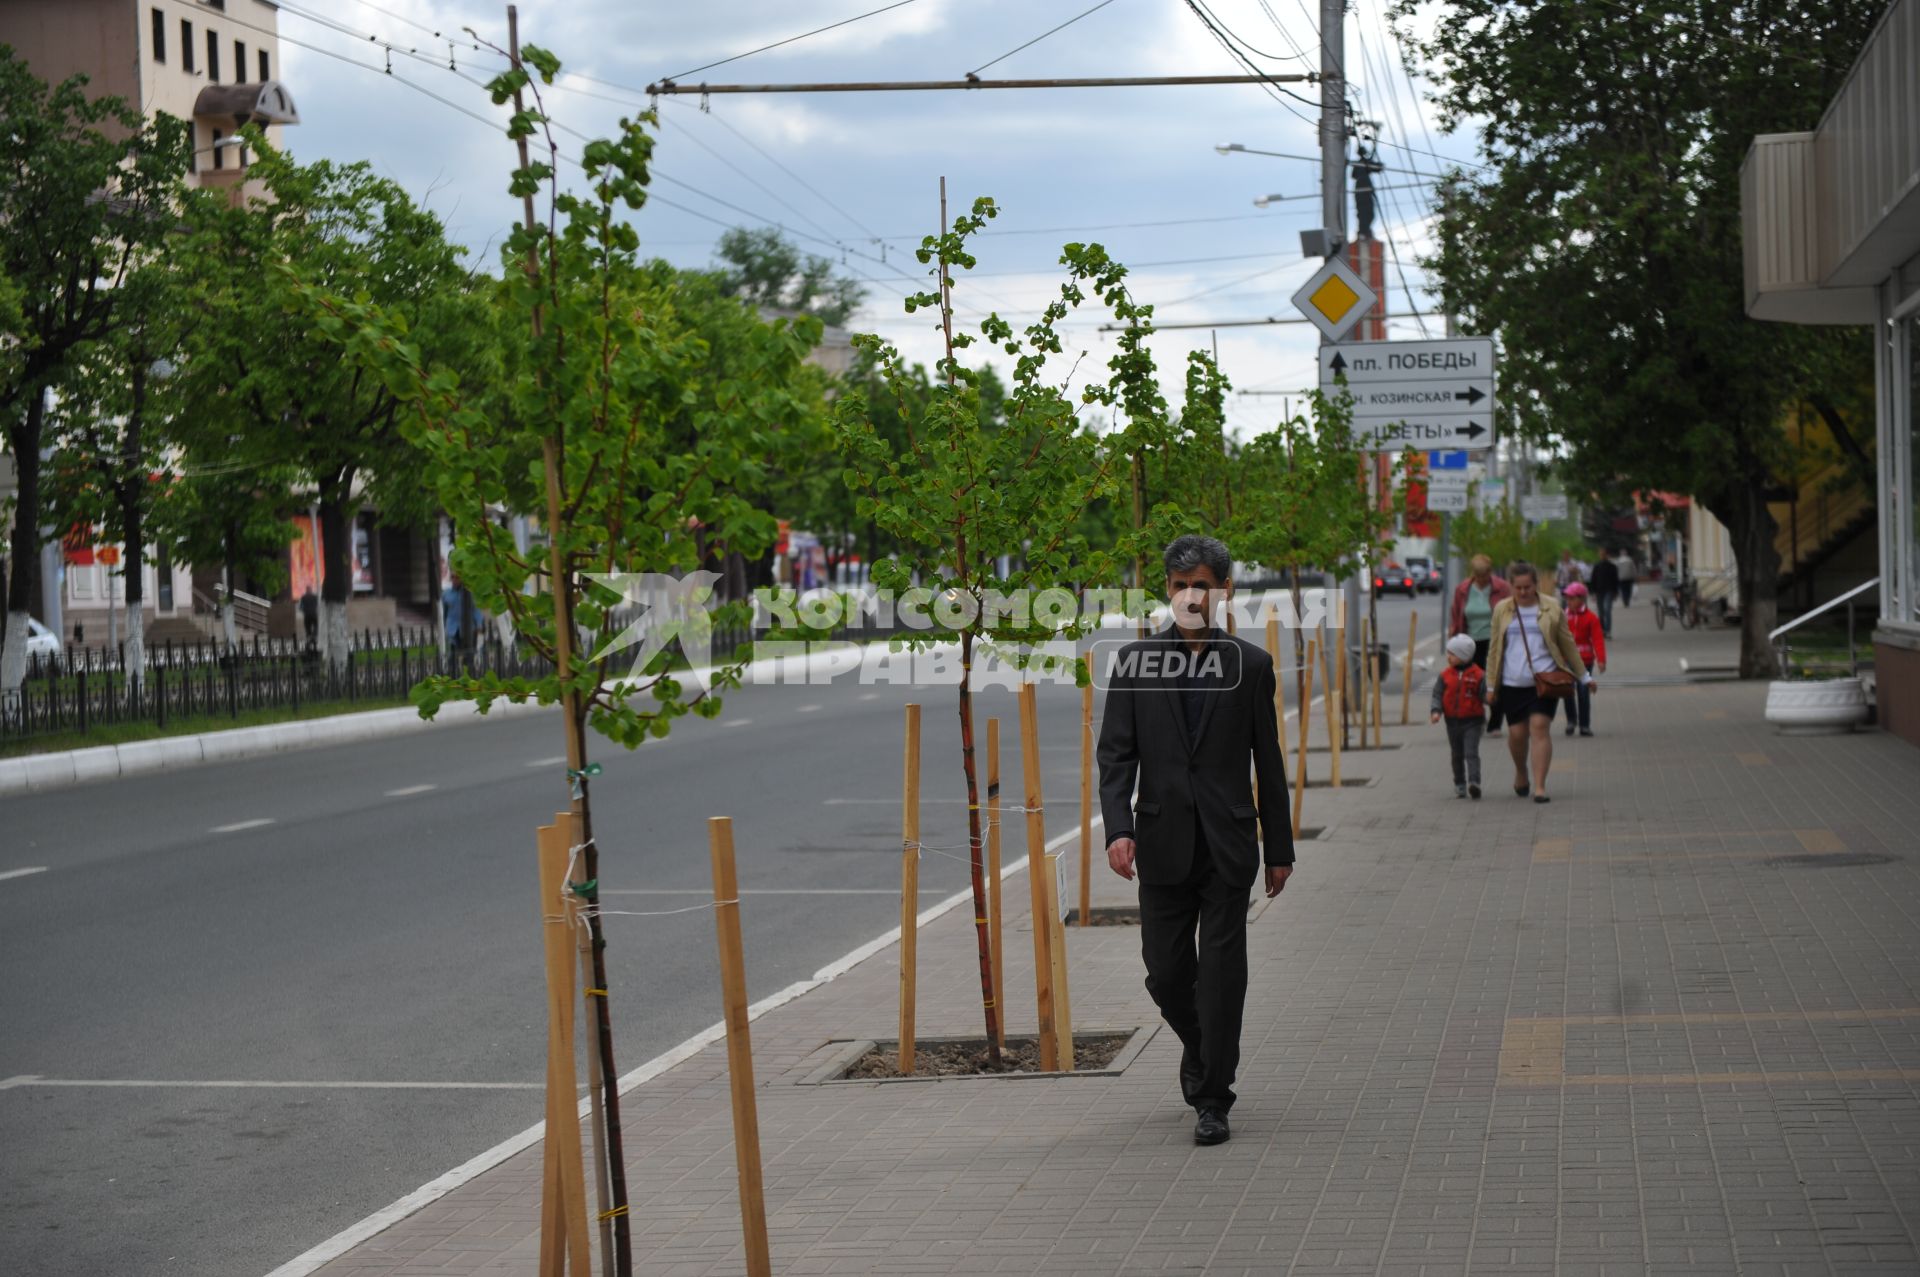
[{"x": 1831, "y": 224}]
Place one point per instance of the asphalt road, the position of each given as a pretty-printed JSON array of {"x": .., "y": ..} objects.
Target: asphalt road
[{"x": 367, "y": 914}]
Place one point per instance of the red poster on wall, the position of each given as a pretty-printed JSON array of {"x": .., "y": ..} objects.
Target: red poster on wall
[{"x": 306, "y": 553}]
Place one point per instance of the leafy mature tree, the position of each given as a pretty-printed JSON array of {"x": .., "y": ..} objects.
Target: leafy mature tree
[
  {"x": 1602, "y": 240},
  {"x": 761, "y": 267},
  {"x": 352, "y": 233},
  {"x": 87, "y": 191},
  {"x": 966, "y": 491}
]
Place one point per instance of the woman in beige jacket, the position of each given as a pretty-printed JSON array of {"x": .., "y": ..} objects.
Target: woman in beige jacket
[{"x": 1530, "y": 636}]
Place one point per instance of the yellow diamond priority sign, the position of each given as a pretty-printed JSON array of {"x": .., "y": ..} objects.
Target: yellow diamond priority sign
[{"x": 1335, "y": 298}]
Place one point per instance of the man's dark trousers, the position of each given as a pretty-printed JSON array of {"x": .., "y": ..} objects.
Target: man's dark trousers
[{"x": 1200, "y": 988}]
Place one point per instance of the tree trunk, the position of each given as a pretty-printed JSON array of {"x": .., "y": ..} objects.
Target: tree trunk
[
  {"x": 1757, "y": 568},
  {"x": 336, "y": 586},
  {"x": 131, "y": 482},
  {"x": 230, "y": 573},
  {"x": 25, "y": 576},
  {"x": 975, "y": 858}
]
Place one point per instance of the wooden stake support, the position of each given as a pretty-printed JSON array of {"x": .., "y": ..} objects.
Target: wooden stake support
[
  {"x": 1057, "y": 952},
  {"x": 733, "y": 993},
  {"x": 1038, "y": 874},
  {"x": 1279, "y": 690},
  {"x": 563, "y": 1194},
  {"x": 1360, "y": 676},
  {"x": 1306, "y": 719},
  {"x": 1326, "y": 658},
  {"x": 996, "y": 940},
  {"x": 909, "y": 884},
  {"x": 1334, "y": 745},
  {"x": 1086, "y": 805},
  {"x": 1406, "y": 675}
]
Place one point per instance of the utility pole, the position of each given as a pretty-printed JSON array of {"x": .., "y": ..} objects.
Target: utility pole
[{"x": 1333, "y": 199}]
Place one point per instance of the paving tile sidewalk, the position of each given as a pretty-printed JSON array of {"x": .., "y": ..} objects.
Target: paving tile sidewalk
[{"x": 1668, "y": 1021}]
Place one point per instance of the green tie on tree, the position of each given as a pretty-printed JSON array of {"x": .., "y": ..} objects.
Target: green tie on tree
[
  {"x": 602, "y": 411},
  {"x": 971, "y": 490}
]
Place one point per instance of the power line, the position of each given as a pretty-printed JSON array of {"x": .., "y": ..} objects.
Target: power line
[
  {"x": 804, "y": 184},
  {"x": 1238, "y": 39},
  {"x": 1037, "y": 39},
  {"x": 897, "y": 4}
]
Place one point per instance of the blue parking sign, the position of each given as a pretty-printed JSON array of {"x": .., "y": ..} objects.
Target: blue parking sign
[{"x": 1454, "y": 460}]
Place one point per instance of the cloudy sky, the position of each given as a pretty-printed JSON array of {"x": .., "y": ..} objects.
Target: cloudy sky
[{"x": 854, "y": 177}]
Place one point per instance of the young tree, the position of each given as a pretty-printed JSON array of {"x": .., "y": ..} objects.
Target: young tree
[
  {"x": 342, "y": 229},
  {"x": 966, "y": 493},
  {"x": 88, "y": 192},
  {"x": 608, "y": 417},
  {"x": 1602, "y": 240}
]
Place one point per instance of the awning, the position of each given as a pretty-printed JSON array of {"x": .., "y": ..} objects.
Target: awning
[{"x": 264, "y": 103}]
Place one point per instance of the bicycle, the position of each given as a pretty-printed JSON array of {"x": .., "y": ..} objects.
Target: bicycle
[{"x": 1683, "y": 606}]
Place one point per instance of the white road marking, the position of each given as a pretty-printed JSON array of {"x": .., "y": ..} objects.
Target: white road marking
[
  {"x": 549, "y": 762},
  {"x": 764, "y": 891},
  {"x": 805, "y": 709},
  {"x": 34, "y": 1079},
  {"x": 738, "y": 722},
  {"x": 21, "y": 873},
  {"x": 869, "y": 696},
  {"x": 239, "y": 825},
  {"x": 409, "y": 790},
  {"x": 432, "y": 1191}
]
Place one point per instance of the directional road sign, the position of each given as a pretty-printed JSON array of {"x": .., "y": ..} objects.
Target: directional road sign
[
  {"x": 1335, "y": 298},
  {"x": 1546, "y": 505},
  {"x": 1422, "y": 394}
]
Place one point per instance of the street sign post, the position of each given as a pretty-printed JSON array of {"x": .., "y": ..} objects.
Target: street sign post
[
  {"x": 1435, "y": 395},
  {"x": 1334, "y": 299}
]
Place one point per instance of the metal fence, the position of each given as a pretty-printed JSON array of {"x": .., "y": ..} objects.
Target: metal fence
[{"x": 82, "y": 688}]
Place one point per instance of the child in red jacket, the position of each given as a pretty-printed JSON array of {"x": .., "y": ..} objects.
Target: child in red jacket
[
  {"x": 1591, "y": 638},
  {"x": 1460, "y": 697}
]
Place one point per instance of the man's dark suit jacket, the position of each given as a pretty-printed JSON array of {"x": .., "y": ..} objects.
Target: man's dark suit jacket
[{"x": 1200, "y": 782}]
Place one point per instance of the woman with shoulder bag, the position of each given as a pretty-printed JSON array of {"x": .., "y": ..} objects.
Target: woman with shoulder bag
[{"x": 1535, "y": 665}]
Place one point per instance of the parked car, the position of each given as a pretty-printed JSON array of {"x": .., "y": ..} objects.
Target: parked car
[
  {"x": 41, "y": 641},
  {"x": 1426, "y": 577},
  {"x": 1394, "y": 578}
]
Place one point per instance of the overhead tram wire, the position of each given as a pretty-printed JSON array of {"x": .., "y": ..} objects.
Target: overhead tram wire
[
  {"x": 897, "y": 4},
  {"x": 974, "y": 74},
  {"x": 1235, "y": 36},
  {"x": 1370, "y": 58},
  {"x": 1272, "y": 91}
]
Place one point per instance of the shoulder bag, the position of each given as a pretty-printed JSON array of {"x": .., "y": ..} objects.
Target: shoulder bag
[{"x": 1553, "y": 685}]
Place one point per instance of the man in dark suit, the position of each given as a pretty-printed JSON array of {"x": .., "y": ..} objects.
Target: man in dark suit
[{"x": 1186, "y": 711}]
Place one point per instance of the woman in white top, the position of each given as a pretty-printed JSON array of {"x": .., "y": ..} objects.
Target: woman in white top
[{"x": 1530, "y": 636}]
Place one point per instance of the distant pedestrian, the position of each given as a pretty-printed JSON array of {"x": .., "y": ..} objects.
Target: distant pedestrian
[
  {"x": 1604, "y": 582},
  {"x": 1473, "y": 602},
  {"x": 1629, "y": 573},
  {"x": 1569, "y": 571},
  {"x": 1590, "y": 640},
  {"x": 1460, "y": 697},
  {"x": 310, "y": 616},
  {"x": 1530, "y": 638}
]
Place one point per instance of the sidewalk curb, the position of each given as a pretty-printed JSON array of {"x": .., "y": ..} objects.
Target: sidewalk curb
[
  {"x": 340, "y": 1243},
  {"x": 38, "y": 773}
]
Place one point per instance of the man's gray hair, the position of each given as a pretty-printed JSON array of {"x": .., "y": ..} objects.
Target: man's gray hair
[
  {"x": 1194, "y": 551},
  {"x": 1519, "y": 568}
]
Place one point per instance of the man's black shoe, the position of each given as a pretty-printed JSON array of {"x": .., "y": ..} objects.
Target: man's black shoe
[{"x": 1211, "y": 1128}]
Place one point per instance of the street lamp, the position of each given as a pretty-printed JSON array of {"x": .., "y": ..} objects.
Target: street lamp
[
  {"x": 1261, "y": 201},
  {"x": 1229, "y": 148}
]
